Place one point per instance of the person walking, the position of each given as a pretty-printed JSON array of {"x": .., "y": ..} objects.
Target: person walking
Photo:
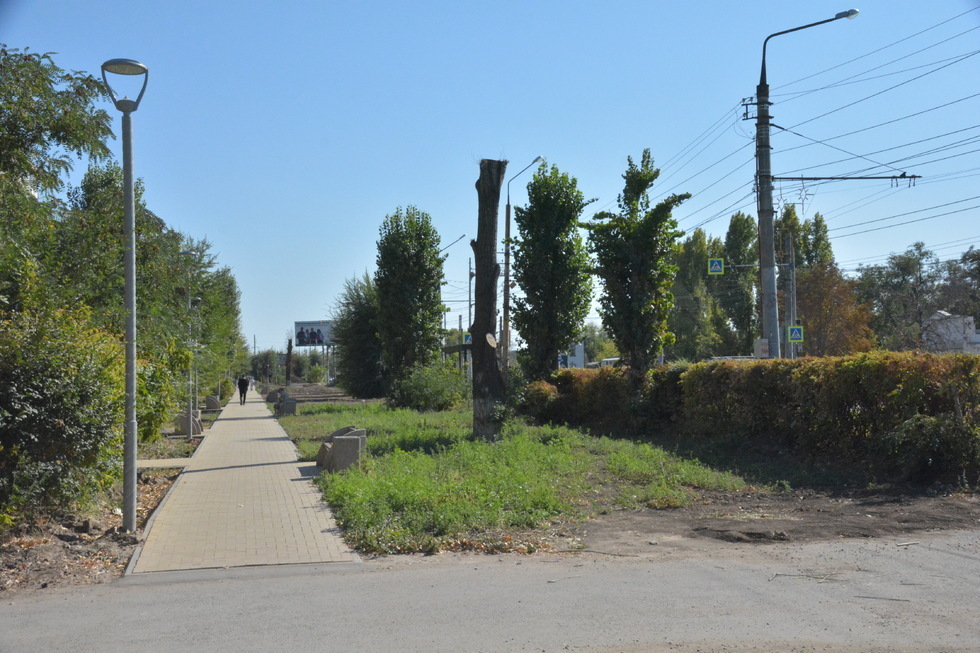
[{"x": 242, "y": 389}]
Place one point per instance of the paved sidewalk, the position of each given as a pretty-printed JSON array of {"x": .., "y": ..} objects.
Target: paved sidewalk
[{"x": 243, "y": 500}]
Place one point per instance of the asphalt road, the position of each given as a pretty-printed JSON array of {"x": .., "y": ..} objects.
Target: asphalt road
[{"x": 919, "y": 594}]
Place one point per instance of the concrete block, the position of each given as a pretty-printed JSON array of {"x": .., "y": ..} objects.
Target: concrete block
[
  {"x": 196, "y": 426},
  {"x": 323, "y": 456},
  {"x": 341, "y": 431},
  {"x": 346, "y": 451},
  {"x": 211, "y": 403}
]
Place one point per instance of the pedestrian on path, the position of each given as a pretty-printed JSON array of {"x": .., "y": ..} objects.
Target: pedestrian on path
[{"x": 242, "y": 389}]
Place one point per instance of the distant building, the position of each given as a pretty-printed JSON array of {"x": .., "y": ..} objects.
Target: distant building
[{"x": 945, "y": 333}]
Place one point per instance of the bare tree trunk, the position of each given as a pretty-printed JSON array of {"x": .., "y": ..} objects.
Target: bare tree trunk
[{"x": 488, "y": 383}]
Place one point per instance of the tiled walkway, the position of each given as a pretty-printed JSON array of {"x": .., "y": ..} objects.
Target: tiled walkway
[{"x": 243, "y": 500}]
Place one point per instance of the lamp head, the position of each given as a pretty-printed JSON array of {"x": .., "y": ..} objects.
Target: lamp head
[
  {"x": 850, "y": 13},
  {"x": 128, "y": 67}
]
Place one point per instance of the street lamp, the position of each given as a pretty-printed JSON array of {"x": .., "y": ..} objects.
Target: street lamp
[
  {"x": 506, "y": 327},
  {"x": 767, "y": 245},
  {"x": 128, "y": 67}
]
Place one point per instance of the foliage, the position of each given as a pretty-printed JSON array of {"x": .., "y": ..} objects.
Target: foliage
[
  {"x": 888, "y": 416},
  {"x": 408, "y": 281},
  {"x": 697, "y": 321},
  {"x": 836, "y": 324},
  {"x": 632, "y": 250},
  {"x": 902, "y": 293},
  {"x": 433, "y": 387},
  {"x": 60, "y": 408},
  {"x": 47, "y": 116},
  {"x": 736, "y": 289},
  {"x": 551, "y": 265},
  {"x": 598, "y": 344},
  {"x": 358, "y": 346}
]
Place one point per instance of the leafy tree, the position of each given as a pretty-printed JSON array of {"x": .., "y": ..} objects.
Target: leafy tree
[
  {"x": 598, "y": 344},
  {"x": 408, "y": 281},
  {"x": 551, "y": 265},
  {"x": 358, "y": 347},
  {"x": 836, "y": 324},
  {"x": 960, "y": 291},
  {"x": 697, "y": 321},
  {"x": 736, "y": 289},
  {"x": 902, "y": 293},
  {"x": 47, "y": 117},
  {"x": 632, "y": 250}
]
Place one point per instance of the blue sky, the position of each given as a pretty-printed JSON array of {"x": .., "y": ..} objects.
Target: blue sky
[{"x": 285, "y": 132}]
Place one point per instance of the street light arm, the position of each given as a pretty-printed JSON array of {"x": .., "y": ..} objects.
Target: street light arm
[
  {"x": 519, "y": 174},
  {"x": 850, "y": 13}
]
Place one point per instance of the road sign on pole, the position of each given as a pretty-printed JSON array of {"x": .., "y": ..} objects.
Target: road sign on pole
[
  {"x": 796, "y": 334},
  {"x": 716, "y": 266}
]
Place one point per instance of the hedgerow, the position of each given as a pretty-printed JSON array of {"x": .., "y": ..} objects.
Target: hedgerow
[{"x": 900, "y": 416}]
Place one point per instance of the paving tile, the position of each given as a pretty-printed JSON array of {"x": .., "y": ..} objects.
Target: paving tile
[{"x": 243, "y": 500}]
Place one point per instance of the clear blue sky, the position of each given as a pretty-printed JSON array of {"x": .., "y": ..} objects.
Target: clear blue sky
[{"x": 285, "y": 132}]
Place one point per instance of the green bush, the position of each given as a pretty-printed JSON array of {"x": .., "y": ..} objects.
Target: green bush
[
  {"x": 538, "y": 401},
  {"x": 926, "y": 449},
  {"x": 61, "y": 401},
  {"x": 434, "y": 387}
]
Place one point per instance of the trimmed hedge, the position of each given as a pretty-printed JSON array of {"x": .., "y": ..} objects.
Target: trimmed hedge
[{"x": 900, "y": 416}]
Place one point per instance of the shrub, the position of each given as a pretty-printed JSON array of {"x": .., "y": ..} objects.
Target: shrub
[
  {"x": 61, "y": 400},
  {"x": 926, "y": 449},
  {"x": 434, "y": 387},
  {"x": 538, "y": 401}
]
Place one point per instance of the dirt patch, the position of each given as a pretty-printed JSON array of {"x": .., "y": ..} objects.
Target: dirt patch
[
  {"x": 764, "y": 518},
  {"x": 76, "y": 550}
]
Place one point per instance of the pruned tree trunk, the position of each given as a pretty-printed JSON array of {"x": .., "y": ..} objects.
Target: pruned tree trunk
[
  {"x": 488, "y": 383},
  {"x": 289, "y": 361}
]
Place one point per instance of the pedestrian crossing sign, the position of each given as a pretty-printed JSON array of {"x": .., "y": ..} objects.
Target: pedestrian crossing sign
[
  {"x": 796, "y": 334},
  {"x": 716, "y": 266},
  {"x": 467, "y": 338}
]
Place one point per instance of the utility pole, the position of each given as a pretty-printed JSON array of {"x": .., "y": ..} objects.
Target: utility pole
[
  {"x": 767, "y": 246},
  {"x": 764, "y": 181},
  {"x": 791, "y": 319}
]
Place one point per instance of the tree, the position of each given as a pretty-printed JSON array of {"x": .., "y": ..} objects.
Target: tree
[
  {"x": 551, "y": 265},
  {"x": 598, "y": 344},
  {"x": 632, "y": 250},
  {"x": 836, "y": 324},
  {"x": 408, "y": 281},
  {"x": 697, "y": 322},
  {"x": 47, "y": 117},
  {"x": 736, "y": 290},
  {"x": 358, "y": 349},
  {"x": 902, "y": 293}
]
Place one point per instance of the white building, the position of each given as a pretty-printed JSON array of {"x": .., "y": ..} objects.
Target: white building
[{"x": 946, "y": 333}]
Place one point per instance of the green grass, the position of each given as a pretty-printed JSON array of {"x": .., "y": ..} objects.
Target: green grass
[{"x": 427, "y": 485}]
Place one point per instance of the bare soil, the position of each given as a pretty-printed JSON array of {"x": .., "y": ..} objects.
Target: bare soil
[
  {"x": 79, "y": 549},
  {"x": 761, "y": 518}
]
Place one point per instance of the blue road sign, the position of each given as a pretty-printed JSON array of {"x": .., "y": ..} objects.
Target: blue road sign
[
  {"x": 716, "y": 266},
  {"x": 467, "y": 338},
  {"x": 796, "y": 334}
]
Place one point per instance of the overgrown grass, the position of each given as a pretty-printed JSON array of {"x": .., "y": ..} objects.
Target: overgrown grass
[{"x": 426, "y": 485}]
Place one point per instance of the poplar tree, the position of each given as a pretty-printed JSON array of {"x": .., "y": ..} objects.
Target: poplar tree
[
  {"x": 633, "y": 250},
  {"x": 551, "y": 265},
  {"x": 408, "y": 281}
]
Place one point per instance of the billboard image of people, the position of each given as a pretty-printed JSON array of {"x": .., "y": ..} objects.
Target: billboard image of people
[{"x": 313, "y": 334}]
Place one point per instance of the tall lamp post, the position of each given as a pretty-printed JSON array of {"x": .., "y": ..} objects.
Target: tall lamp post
[
  {"x": 767, "y": 245},
  {"x": 127, "y": 106},
  {"x": 190, "y": 346},
  {"x": 506, "y": 327}
]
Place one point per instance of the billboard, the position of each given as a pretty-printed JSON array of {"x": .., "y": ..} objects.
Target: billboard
[{"x": 313, "y": 334}]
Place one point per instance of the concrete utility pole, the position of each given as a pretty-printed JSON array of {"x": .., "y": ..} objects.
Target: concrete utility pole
[
  {"x": 791, "y": 319},
  {"x": 763, "y": 180}
]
